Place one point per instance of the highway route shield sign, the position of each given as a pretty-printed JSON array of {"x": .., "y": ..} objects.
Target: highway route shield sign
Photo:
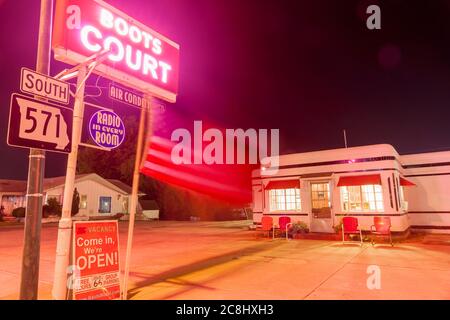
[{"x": 39, "y": 125}]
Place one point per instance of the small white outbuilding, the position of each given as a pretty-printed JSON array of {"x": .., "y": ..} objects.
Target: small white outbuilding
[{"x": 99, "y": 197}]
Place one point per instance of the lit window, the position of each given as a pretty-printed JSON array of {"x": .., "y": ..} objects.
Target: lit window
[
  {"x": 320, "y": 195},
  {"x": 83, "y": 201},
  {"x": 125, "y": 205},
  {"x": 403, "y": 202},
  {"x": 365, "y": 198},
  {"x": 284, "y": 199},
  {"x": 105, "y": 205}
]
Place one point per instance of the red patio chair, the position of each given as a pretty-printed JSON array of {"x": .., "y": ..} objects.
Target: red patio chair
[
  {"x": 283, "y": 225},
  {"x": 350, "y": 226},
  {"x": 381, "y": 226},
  {"x": 266, "y": 225}
]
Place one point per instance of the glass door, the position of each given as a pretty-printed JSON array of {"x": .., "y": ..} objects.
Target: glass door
[{"x": 321, "y": 217}]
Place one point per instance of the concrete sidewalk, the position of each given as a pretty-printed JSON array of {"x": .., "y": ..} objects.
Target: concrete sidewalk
[
  {"x": 223, "y": 260},
  {"x": 314, "y": 270}
]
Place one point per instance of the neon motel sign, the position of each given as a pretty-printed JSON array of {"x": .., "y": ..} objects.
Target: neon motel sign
[{"x": 139, "y": 56}]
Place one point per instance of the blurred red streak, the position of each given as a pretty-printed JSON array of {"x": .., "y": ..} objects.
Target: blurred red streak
[{"x": 229, "y": 183}]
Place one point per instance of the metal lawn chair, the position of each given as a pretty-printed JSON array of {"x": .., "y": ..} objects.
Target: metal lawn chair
[
  {"x": 266, "y": 226},
  {"x": 284, "y": 223},
  {"x": 381, "y": 227},
  {"x": 350, "y": 226}
]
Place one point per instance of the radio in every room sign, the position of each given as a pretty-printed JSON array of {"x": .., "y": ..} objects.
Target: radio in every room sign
[{"x": 96, "y": 258}]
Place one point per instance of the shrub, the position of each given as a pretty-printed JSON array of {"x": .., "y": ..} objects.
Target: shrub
[
  {"x": 337, "y": 228},
  {"x": 53, "y": 207},
  {"x": 46, "y": 211},
  {"x": 75, "y": 202},
  {"x": 300, "y": 227},
  {"x": 19, "y": 212}
]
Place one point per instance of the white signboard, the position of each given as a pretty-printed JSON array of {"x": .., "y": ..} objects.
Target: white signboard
[{"x": 41, "y": 85}]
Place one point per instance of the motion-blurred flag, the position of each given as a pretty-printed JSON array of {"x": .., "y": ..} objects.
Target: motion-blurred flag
[{"x": 230, "y": 183}]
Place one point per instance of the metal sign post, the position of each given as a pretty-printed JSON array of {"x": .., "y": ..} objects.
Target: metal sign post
[
  {"x": 65, "y": 224},
  {"x": 31, "y": 251},
  {"x": 145, "y": 110},
  {"x": 83, "y": 71}
]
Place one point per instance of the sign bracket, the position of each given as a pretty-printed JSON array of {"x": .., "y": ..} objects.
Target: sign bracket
[{"x": 91, "y": 62}]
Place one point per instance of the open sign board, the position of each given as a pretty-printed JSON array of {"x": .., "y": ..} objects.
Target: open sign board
[{"x": 96, "y": 257}]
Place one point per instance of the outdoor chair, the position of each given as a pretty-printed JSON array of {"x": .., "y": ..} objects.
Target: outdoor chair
[
  {"x": 381, "y": 227},
  {"x": 350, "y": 226},
  {"x": 266, "y": 226},
  {"x": 283, "y": 225}
]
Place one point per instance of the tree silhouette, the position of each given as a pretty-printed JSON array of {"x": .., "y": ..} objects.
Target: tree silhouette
[{"x": 75, "y": 202}]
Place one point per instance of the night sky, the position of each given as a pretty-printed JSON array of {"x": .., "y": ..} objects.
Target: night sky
[{"x": 309, "y": 68}]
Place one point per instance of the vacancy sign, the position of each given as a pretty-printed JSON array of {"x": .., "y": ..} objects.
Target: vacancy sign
[
  {"x": 139, "y": 56},
  {"x": 47, "y": 87},
  {"x": 96, "y": 257},
  {"x": 39, "y": 125}
]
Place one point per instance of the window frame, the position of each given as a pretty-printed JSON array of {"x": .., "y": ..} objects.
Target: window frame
[
  {"x": 364, "y": 197},
  {"x": 85, "y": 206},
  {"x": 403, "y": 202},
  {"x": 315, "y": 199},
  {"x": 100, "y": 204},
  {"x": 126, "y": 200},
  {"x": 273, "y": 196}
]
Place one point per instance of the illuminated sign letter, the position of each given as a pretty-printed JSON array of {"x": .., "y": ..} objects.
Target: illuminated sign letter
[
  {"x": 136, "y": 65},
  {"x": 157, "y": 46},
  {"x": 73, "y": 21},
  {"x": 121, "y": 26},
  {"x": 106, "y": 19},
  {"x": 85, "y": 31},
  {"x": 135, "y": 34},
  {"x": 120, "y": 52},
  {"x": 151, "y": 64},
  {"x": 165, "y": 68}
]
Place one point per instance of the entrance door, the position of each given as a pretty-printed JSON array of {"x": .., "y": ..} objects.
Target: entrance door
[{"x": 321, "y": 217}]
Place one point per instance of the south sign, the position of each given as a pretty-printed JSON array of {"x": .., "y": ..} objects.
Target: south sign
[{"x": 139, "y": 56}]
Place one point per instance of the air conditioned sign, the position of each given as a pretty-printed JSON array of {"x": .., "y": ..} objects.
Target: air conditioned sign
[
  {"x": 139, "y": 56},
  {"x": 126, "y": 96}
]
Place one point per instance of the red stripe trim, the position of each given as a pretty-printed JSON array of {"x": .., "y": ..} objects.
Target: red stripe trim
[
  {"x": 283, "y": 184},
  {"x": 406, "y": 183},
  {"x": 359, "y": 180}
]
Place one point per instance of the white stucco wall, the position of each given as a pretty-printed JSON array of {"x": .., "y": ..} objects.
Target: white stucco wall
[
  {"x": 151, "y": 214},
  {"x": 429, "y": 201}
]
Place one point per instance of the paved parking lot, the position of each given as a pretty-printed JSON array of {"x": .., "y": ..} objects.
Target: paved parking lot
[{"x": 223, "y": 260}]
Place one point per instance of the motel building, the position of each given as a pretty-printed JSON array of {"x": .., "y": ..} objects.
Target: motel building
[
  {"x": 319, "y": 188},
  {"x": 99, "y": 197}
]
